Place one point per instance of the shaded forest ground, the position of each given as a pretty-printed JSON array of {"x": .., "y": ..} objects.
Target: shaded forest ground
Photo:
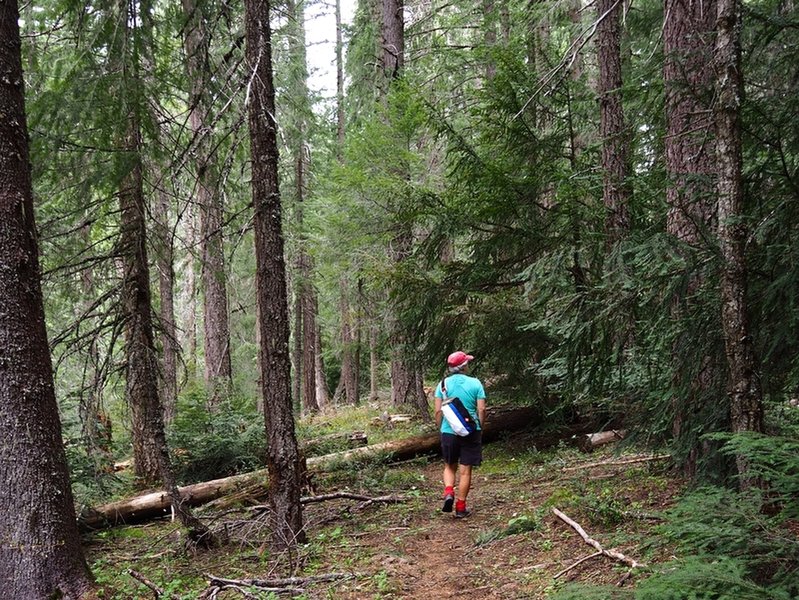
[{"x": 511, "y": 547}]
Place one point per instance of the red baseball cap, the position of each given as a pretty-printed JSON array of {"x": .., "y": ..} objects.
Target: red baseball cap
[{"x": 458, "y": 359}]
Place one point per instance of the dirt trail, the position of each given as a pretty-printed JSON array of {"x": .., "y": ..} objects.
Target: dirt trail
[
  {"x": 441, "y": 559},
  {"x": 425, "y": 554}
]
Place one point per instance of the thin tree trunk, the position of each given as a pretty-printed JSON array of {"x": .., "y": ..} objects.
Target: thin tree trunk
[
  {"x": 40, "y": 554},
  {"x": 340, "y": 119},
  {"x": 283, "y": 457},
  {"x": 373, "y": 364},
  {"x": 215, "y": 305},
  {"x": 166, "y": 286},
  {"x": 189, "y": 293},
  {"x": 746, "y": 405},
  {"x": 296, "y": 354},
  {"x": 322, "y": 389},
  {"x": 349, "y": 365}
]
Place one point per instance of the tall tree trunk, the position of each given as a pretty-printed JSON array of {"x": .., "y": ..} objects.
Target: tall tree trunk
[
  {"x": 349, "y": 348},
  {"x": 283, "y": 457},
  {"x": 296, "y": 354},
  {"x": 322, "y": 389},
  {"x": 746, "y": 405},
  {"x": 373, "y": 363},
  {"x": 298, "y": 132},
  {"x": 40, "y": 554},
  {"x": 406, "y": 387},
  {"x": 188, "y": 297},
  {"x": 690, "y": 163},
  {"x": 150, "y": 452},
  {"x": 490, "y": 37},
  {"x": 166, "y": 286},
  {"x": 612, "y": 129},
  {"x": 215, "y": 304},
  {"x": 687, "y": 74},
  {"x": 340, "y": 120},
  {"x": 310, "y": 403}
]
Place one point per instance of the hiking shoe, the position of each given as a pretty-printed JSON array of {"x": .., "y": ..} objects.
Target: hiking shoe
[
  {"x": 449, "y": 500},
  {"x": 462, "y": 514}
]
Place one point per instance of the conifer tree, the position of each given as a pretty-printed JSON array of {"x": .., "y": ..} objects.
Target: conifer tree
[
  {"x": 283, "y": 458},
  {"x": 40, "y": 552}
]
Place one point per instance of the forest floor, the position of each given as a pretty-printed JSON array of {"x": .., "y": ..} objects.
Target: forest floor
[{"x": 511, "y": 546}]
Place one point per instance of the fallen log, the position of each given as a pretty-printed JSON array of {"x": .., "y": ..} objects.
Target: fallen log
[
  {"x": 157, "y": 504},
  {"x": 589, "y": 441}
]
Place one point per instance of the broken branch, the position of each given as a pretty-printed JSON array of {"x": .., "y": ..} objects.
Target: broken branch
[
  {"x": 615, "y": 554},
  {"x": 578, "y": 563},
  {"x": 146, "y": 582},
  {"x": 617, "y": 463}
]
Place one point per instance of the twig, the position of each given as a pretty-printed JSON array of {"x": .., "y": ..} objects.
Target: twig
[
  {"x": 615, "y": 554},
  {"x": 281, "y": 584},
  {"x": 351, "y": 496},
  {"x": 616, "y": 463},
  {"x": 144, "y": 581},
  {"x": 579, "y": 562},
  {"x": 240, "y": 590},
  {"x": 624, "y": 578}
]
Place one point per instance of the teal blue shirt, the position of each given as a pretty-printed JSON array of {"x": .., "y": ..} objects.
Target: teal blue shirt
[{"x": 468, "y": 389}]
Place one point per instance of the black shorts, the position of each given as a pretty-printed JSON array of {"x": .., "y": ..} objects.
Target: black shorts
[{"x": 468, "y": 450}]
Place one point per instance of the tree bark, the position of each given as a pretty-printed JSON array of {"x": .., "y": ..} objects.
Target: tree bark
[
  {"x": 349, "y": 348},
  {"x": 393, "y": 40},
  {"x": 746, "y": 406},
  {"x": 322, "y": 389},
  {"x": 489, "y": 37},
  {"x": 373, "y": 364},
  {"x": 188, "y": 296},
  {"x": 612, "y": 129},
  {"x": 215, "y": 305},
  {"x": 283, "y": 458},
  {"x": 166, "y": 287},
  {"x": 690, "y": 164},
  {"x": 40, "y": 553},
  {"x": 688, "y": 77}
]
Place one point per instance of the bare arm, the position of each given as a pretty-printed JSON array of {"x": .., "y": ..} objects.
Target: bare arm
[
  {"x": 439, "y": 414},
  {"x": 481, "y": 411}
]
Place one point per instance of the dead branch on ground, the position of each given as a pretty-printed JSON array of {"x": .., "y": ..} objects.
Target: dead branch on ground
[
  {"x": 146, "y": 582},
  {"x": 617, "y": 463},
  {"x": 614, "y": 554},
  {"x": 576, "y": 564},
  {"x": 288, "y": 585}
]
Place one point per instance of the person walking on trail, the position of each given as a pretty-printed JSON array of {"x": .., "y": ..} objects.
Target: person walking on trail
[{"x": 460, "y": 452}]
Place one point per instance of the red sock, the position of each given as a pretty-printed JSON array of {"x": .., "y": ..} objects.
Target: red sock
[
  {"x": 460, "y": 505},
  {"x": 449, "y": 490}
]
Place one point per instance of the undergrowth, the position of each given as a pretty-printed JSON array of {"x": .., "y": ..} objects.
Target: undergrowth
[{"x": 731, "y": 545}]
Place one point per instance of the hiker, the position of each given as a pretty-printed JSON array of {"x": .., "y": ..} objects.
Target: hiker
[{"x": 464, "y": 450}]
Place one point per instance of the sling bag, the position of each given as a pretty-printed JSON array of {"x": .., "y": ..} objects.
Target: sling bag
[{"x": 459, "y": 418}]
